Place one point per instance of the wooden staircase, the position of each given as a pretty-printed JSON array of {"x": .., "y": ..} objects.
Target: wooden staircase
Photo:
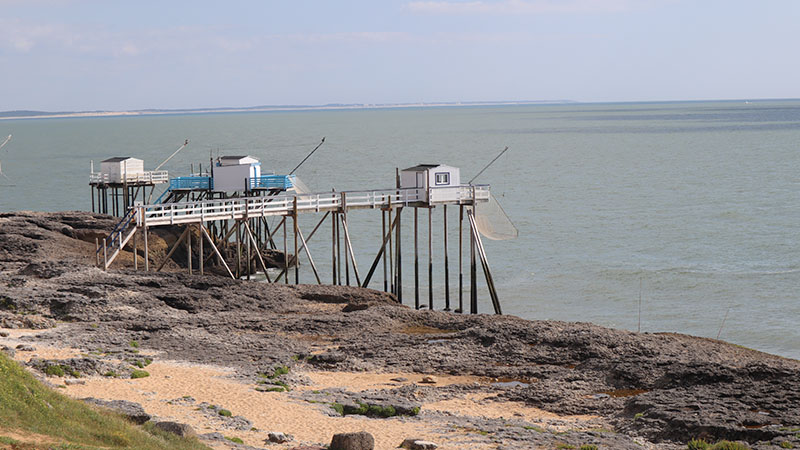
[{"x": 117, "y": 239}]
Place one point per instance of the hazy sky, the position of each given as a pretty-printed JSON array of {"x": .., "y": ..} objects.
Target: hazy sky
[{"x": 86, "y": 55}]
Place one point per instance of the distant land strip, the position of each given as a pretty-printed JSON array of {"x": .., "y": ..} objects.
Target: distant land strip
[{"x": 26, "y": 114}]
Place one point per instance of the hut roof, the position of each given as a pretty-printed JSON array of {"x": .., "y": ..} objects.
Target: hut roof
[
  {"x": 118, "y": 159},
  {"x": 421, "y": 167}
]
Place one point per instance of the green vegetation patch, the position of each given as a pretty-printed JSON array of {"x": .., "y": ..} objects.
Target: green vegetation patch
[
  {"x": 224, "y": 413},
  {"x": 699, "y": 444},
  {"x": 364, "y": 409},
  {"x": 139, "y": 374},
  {"x": 28, "y": 406},
  {"x": 235, "y": 440}
]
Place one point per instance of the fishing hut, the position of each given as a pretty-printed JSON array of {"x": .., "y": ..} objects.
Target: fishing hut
[
  {"x": 215, "y": 223},
  {"x": 121, "y": 180},
  {"x": 229, "y": 177}
]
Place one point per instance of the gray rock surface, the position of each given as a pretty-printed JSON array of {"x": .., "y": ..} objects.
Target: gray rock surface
[
  {"x": 179, "y": 429},
  {"x": 661, "y": 389},
  {"x": 130, "y": 410},
  {"x": 353, "y": 441},
  {"x": 276, "y": 437},
  {"x": 418, "y": 444}
]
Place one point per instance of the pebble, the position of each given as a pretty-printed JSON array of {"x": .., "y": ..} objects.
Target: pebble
[
  {"x": 3, "y": 333},
  {"x": 429, "y": 379},
  {"x": 71, "y": 382},
  {"x": 25, "y": 348},
  {"x": 399, "y": 379}
]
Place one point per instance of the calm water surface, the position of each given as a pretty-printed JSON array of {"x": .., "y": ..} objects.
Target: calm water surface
[{"x": 695, "y": 207}]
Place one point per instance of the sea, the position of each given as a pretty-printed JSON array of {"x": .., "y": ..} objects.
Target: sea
[{"x": 660, "y": 217}]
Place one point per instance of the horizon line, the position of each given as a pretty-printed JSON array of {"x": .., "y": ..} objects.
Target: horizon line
[{"x": 37, "y": 114}]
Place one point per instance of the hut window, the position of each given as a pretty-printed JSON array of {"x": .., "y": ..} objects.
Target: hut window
[{"x": 442, "y": 178}]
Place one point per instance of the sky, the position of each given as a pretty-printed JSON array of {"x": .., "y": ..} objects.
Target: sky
[{"x": 78, "y": 55}]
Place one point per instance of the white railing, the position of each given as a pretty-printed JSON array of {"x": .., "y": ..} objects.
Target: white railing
[
  {"x": 156, "y": 176},
  {"x": 236, "y": 208}
]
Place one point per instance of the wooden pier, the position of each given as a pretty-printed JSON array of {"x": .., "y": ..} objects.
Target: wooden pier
[{"x": 243, "y": 221}]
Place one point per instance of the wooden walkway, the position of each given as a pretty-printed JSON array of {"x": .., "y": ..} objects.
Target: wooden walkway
[
  {"x": 248, "y": 212},
  {"x": 285, "y": 204}
]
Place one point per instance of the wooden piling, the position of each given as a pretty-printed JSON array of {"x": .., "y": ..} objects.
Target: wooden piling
[
  {"x": 296, "y": 253},
  {"x": 430, "y": 258},
  {"x": 416, "y": 259},
  {"x": 460, "y": 257},
  {"x": 446, "y": 264}
]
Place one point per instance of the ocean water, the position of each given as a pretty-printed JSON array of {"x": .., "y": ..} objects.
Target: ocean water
[{"x": 694, "y": 208}]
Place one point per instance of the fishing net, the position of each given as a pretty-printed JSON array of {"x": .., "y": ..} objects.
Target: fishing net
[
  {"x": 493, "y": 222},
  {"x": 300, "y": 187}
]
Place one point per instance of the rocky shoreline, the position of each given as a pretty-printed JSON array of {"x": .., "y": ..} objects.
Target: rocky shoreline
[{"x": 654, "y": 389}]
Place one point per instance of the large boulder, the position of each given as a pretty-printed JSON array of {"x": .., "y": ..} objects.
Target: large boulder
[
  {"x": 180, "y": 429},
  {"x": 353, "y": 441}
]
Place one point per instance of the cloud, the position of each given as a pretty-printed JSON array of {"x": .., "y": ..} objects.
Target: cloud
[{"x": 521, "y": 6}]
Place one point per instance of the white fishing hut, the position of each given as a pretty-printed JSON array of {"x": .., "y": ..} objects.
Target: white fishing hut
[
  {"x": 436, "y": 182},
  {"x": 233, "y": 173},
  {"x": 120, "y": 169}
]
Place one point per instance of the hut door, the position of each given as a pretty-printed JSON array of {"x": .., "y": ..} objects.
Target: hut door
[{"x": 421, "y": 179}]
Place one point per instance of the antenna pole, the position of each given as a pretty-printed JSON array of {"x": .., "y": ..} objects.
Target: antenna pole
[
  {"x": 308, "y": 156},
  {"x": 487, "y": 166},
  {"x": 173, "y": 154}
]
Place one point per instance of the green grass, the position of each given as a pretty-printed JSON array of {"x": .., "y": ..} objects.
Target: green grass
[
  {"x": 224, "y": 413},
  {"x": 787, "y": 444},
  {"x": 235, "y": 440},
  {"x": 28, "y": 406},
  {"x": 588, "y": 447},
  {"x": 134, "y": 344},
  {"x": 698, "y": 444},
  {"x": 139, "y": 374}
]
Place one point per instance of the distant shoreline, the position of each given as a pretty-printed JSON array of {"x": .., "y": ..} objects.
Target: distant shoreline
[{"x": 15, "y": 115}]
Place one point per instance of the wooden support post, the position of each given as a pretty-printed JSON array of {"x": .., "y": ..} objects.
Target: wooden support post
[
  {"x": 416, "y": 258},
  {"x": 91, "y": 187},
  {"x": 97, "y": 252},
  {"x": 399, "y": 264},
  {"x": 216, "y": 250},
  {"x": 338, "y": 252},
  {"x": 430, "y": 258},
  {"x": 388, "y": 254},
  {"x": 105, "y": 255},
  {"x": 247, "y": 243},
  {"x": 446, "y": 264},
  {"x": 460, "y": 254},
  {"x": 285, "y": 255},
  {"x": 201, "y": 259},
  {"x": 333, "y": 248},
  {"x": 189, "y": 248},
  {"x": 296, "y": 253},
  {"x": 485, "y": 264},
  {"x": 146, "y": 251},
  {"x": 383, "y": 232},
  {"x": 238, "y": 229},
  {"x": 349, "y": 248},
  {"x": 473, "y": 275},
  {"x": 135, "y": 252}
]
